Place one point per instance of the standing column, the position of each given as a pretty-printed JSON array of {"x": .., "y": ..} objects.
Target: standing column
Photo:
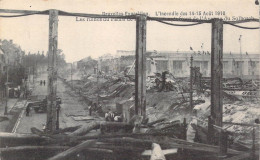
[
  {"x": 140, "y": 67},
  {"x": 216, "y": 71},
  {"x": 216, "y": 78},
  {"x": 52, "y": 72}
]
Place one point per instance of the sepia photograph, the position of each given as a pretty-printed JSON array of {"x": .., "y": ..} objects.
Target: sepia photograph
[{"x": 129, "y": 80}]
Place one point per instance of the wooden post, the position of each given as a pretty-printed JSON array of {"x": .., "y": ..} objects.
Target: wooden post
[
  {"x": 140, "y": 67},
  {"x": 217, "y": 74},
  {"x": 184, "y": 125},
  {"x": 210, "y": 136},
  {"x": 253, "y": 144},
  {"x": 223, "y": 145},
  {"x": 216, "y": 71},
  {"x": 52, "y": 71}
]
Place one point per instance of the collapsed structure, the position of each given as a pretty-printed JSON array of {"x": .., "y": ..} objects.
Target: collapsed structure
[
  {"x": 234, "y": 64},
  {"x": 138, "y": 133}
]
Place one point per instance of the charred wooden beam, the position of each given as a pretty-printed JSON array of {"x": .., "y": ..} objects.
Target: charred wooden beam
[
  {"x": 31, "y": 152},
  {"x": 140, "y": 67},
  {"x": 73, "y": 151},
  {"x": 216, "y": 80},
  {"x": 216, "y": 71},
  {"x": 15, "y": 139},
  {"x": 97, "y": 125},
  {"x": 51, "y": 124}
]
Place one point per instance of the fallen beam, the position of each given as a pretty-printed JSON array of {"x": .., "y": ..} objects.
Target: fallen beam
[
  {"x": 25, "y": 148},
  {"x": 170, "y": 142},
  {"x": 16, "y": 139},
  {"x": 30, "y": 152},
  {"x": 157, "y": 121},
  {"x": 242, "y": 124},
  {"x": 73, "y": 151},
  {"x": 165, "y": 152},
  {"x": 96, "y": 125}
]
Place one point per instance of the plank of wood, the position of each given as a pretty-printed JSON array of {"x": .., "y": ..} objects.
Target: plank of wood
[
  {"x": 157, "y": 121},
  {"x": 30, "y": 152},
  {"x": 242, "y": 124},
  {"x": 16, "y": 139},
  {"x": 165, "y": 152},
  {"x": 85, "y": 129},
  {"x": 74, "y": 150},
  {"x": 96, "y": 125},
  {"x": 157, "y": 153},
  {"x": 32, "y": 148}
]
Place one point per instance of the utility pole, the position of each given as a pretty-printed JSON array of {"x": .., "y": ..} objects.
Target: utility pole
[
  {"x": 257, "y": 3},
  {"x": 191, "y": 84},
  {"x": 140, "y": 66},
  {"x": 240, "y": 42},
  {"x": 52, "y": 72}
]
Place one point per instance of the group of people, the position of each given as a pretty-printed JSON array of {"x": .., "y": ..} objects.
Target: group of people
[
  {"x": 109, "y": 116},
  {"x": 42, "y": 82},
  {"x": 112, "y": 117},
  {"x": 94, "y": 107}
]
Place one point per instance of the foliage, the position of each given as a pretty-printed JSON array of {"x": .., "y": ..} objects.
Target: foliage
[{"x": 17, "y": 63}]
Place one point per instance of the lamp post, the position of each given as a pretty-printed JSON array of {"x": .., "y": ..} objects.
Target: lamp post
[
  {"x": 240, "y": 41},
  {"x": 191, "y": 87},
  {"x": 7, "y": 91}
]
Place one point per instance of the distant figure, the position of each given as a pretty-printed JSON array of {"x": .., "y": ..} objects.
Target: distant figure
[
  {"x": 43, "y": 127},
  {"x": 27, "y": 110},
  {"x": 191, "y": 132},
  {"x": 109, "y": 116},
  {"x": 163, "y": 80},
  {"x": 44, "y": 82},
  {"x": 118, "y": 118},
  {"x": 41, "y": 82}
]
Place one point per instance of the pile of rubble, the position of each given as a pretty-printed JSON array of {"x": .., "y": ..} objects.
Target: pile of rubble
[{"x": 109, "y": 140}]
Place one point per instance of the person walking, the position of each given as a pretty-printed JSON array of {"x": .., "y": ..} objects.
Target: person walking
[
  {"x": 44, "y": 82},
  {"x": 28, "y": 110}
]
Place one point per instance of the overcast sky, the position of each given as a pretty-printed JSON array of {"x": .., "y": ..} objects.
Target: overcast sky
[{"x": 95, "y": 38}]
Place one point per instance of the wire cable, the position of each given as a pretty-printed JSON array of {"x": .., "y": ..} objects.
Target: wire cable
[
  {"x": 23, "y": 15},
  {"x": 179, "y": 25},
  {"x": 243, "y": 21},
  {"x": 238, "y": 26}
]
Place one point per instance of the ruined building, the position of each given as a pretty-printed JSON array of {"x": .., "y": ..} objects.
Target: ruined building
[{"x": 178, "y": 63}]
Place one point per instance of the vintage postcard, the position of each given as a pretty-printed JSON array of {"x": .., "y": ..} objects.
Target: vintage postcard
[{"x": 129, "y": 80}]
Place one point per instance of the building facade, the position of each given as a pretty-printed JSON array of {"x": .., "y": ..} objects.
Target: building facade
[{"x": 178, "y": 63}]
